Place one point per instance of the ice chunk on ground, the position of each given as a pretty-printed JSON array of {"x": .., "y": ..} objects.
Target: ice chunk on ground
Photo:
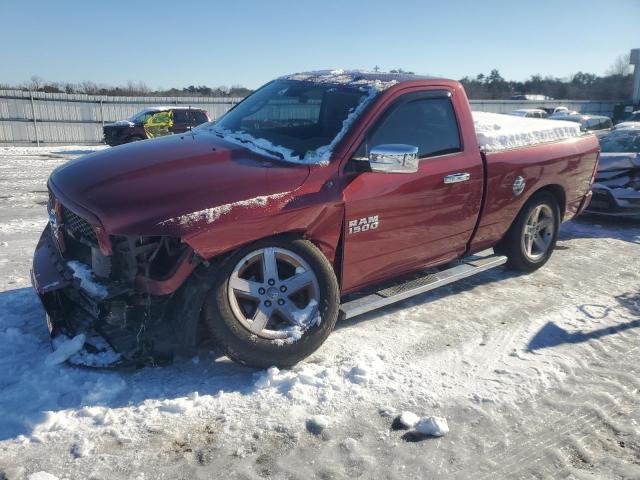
[
  {"x": 102, "y": 355},
  {"x": 349, "y": 444},
  {"x": 365, "y": 371},
  {"x": 87, "y": 282},
  {"x": 432, "y": 426},
  {"x": 498, "y": 132},
  {"x": 82, "y": 448},
  {"x": 64, "y": 348},
  {"x": 317, "y": 423},
  {"x": 42, "y": 476},
  {"x": 408, "y": 419}
]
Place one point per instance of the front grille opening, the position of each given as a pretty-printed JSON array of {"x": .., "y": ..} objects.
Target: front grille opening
[{"x": 78, "y": 227}]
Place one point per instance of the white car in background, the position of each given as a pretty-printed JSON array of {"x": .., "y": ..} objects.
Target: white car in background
[
  {"x": 530, "y": 113},
  {"x": 625, "y": 125},
  {"x": 597, "y": 124}
]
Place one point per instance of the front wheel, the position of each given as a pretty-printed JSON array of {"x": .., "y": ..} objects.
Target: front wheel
[
  {"x": 273, "y": 303},
  {"x": 531, "y": 239}
]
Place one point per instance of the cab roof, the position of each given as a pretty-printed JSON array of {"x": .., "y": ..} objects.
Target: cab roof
[{"x": 356, "y": 78}]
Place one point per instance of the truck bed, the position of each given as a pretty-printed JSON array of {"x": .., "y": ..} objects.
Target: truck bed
[{"x": 497, "y": 132}]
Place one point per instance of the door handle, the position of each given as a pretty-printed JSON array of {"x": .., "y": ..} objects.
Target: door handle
[{"x": 457, "y": 177}]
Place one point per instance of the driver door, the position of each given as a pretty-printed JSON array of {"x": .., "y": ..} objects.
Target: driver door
[{"x": 402, "y": 222}]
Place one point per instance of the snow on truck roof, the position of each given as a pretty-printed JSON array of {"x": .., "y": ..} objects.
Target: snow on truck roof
[
  {"x": 356, "y": 78},
  {"x": 496, "y": 132}
]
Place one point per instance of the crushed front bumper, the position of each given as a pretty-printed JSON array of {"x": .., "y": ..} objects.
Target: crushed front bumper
[
  {"x": 616, "y": 202},
  {"x": 121, "y": 326},
  {"x": 67, "y": 311}
]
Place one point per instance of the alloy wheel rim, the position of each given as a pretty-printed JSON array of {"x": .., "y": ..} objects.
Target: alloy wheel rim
[
  {"x": 274, "y": 293},
  {"x": 538, "y": 232}
]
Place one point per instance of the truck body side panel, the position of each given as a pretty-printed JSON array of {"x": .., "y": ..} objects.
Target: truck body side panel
[{"x": 568, "y": 164}]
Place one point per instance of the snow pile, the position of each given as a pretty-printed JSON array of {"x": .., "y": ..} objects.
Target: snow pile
[
  {"x": 429, "y": 426},
  {"x": 42, "y": 476},
  {"x": 64, "y": 348},
  {"x": 498, "y": 132},
  {"x": 84, "y": 273},
  {"x": 352, "y": 78},
  {"x": 432, "y": 426},
  {"x": 100, "y": 355},
  {"x": 210, "y": 215},
  {"x": 317, "y": 423},
  {"x": 82, "y": 448},
  {"x": 408, "y": 419}
]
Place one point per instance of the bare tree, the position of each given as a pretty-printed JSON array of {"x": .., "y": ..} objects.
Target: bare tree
[
  {"x": 35, "y": 83},
  {"x": 620, "y": 66}
]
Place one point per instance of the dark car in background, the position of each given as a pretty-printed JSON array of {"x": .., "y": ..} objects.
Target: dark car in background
[
  {"x": 631, "y": 117},
  {"x": 153, "y": 122},
  {"x": 616, "y": 191}
]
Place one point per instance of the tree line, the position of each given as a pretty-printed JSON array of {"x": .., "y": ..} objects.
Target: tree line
[
  {"x": 132, "y": 89},
  {"x": 615, "y": 84},
  {"x": 581, "y": 86}
]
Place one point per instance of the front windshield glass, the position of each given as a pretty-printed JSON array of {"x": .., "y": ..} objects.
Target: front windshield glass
[
  {"x": 142, "y": 117},
  {"x": 292, "y": 120},
  {"x": 621, "y": 142}
]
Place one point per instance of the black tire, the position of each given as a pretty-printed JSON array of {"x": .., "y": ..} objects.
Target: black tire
[
  {"x": 513, "y": 244},
  {"x": 246, "y": 348}
]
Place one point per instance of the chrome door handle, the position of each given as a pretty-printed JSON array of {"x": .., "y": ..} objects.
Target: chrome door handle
[{"x": 457, "y": 177}]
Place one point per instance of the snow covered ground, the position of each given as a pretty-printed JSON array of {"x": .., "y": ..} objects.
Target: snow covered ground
[{"x": 535, "y": 376}]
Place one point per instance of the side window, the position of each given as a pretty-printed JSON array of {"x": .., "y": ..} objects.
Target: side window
[
  {"x": 427, "y": 123},
  {"x": 198, "y": 117},
  {"x": 180, "y": 116}
]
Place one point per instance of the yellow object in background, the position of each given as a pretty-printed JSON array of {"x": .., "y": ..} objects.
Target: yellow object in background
[{"x": 159, "y": 124}]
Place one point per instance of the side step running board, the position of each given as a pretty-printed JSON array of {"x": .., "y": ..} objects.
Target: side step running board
[{"x": 466, "y": 268}]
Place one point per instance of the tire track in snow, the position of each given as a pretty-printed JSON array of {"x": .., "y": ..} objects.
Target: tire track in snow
[{"x": 530, "y": 453}]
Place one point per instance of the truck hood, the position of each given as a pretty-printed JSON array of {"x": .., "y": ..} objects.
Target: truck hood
[
  {"x": 618, "y": 161},
  {"x": 138, "y": 188}
]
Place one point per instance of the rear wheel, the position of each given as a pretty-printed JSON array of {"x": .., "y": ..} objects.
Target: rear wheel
[
  {"x": 273, "y": 303},
  {"x": 531, "y": 239}
]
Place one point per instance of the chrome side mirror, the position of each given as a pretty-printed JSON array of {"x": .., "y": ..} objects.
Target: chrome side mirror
[{"x": 394, "y": 158}]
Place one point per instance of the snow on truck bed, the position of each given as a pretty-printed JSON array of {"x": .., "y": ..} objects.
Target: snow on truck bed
[{"x": 498, "y": 132}]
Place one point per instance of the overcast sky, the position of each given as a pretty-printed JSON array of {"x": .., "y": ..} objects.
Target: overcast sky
[{"x": 176, "y": 44}]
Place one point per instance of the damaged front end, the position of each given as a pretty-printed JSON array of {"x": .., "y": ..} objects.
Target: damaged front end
[
  {"x": 129, "y": 295},
  {"x": 616, "y": 191}
]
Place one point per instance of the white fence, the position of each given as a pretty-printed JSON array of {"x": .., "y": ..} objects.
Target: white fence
[{"x": 60, "y": 118}]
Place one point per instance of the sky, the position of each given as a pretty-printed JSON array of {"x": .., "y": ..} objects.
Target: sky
[{"x": 175, "y": 44}]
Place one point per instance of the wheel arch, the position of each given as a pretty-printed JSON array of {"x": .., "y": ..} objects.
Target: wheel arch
[
  {"x": 559, "y": 194},
  {"x": 557, "y": 191}
]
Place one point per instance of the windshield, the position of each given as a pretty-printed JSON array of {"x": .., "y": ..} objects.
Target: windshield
[
  {"x": 621, "y": 142},
  {"x": 293, "y": 120},
  {"x": 142, "y": 117}
]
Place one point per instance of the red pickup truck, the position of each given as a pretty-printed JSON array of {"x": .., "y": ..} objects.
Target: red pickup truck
[{"x": 321, "y": 195}]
